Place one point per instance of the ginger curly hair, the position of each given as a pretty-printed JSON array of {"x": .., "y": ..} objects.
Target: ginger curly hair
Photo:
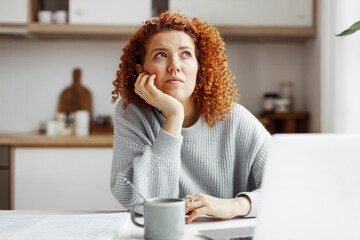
[{"x": 215, "y": 91}]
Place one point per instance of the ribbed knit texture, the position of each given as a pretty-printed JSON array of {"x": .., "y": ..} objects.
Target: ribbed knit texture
[{"x": 223, "y": 161}]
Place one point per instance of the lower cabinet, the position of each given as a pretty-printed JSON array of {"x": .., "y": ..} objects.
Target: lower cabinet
[
  {"x": 63, "y": 179},
  {"x": 4, "y": 189},
  {"x": 4, "y": 177}
]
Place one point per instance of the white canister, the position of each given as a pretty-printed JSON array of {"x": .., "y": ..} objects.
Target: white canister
[
  {"x": 45, "y": 16},
  {"x": 82, "y": 132},
  {"x": 282, "y": 105},
  {"x": 82, "y": 123},
  {"x": 51, "y": 128},
  {"x": 269, "y": 101},
  {"x": 60, "y": 16}
]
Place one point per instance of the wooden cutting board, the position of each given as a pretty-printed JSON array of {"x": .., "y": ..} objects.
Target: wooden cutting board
[{"x": 76, "y": 96}]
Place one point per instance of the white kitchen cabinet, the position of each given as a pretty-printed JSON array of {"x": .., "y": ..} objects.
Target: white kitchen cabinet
[
  {"x": 13, "y": 12},
  {"x": 63, "y": 179},
  {"x": 274, "y": 13},
  {"x": 109, "y": 12}
]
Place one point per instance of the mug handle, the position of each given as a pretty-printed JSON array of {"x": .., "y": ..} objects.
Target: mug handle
[{"x": 132, "y": 213}]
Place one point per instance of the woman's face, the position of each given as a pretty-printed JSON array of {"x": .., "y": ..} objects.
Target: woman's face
[{"x": 171, "y": 56}]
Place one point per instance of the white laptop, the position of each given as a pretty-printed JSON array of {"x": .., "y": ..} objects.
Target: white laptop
[{"x": 311, "y": 190}]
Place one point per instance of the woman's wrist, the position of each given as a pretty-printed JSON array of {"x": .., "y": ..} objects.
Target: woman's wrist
[
  {"x": 173, "y": 124},
  {"x": 242, "y": 205}
]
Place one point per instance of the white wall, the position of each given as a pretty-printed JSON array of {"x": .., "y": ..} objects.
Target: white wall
[
  {"x": 33, "y": 74},
  {"x": 311, "y": 87},
  {"x": 340, "y": 72}
]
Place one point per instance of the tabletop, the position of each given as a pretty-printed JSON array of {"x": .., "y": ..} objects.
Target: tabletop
[{"x": 130, "y": 231}]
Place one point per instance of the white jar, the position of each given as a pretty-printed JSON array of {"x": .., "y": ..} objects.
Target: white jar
[
  {"x": 287, "y": 92},
  {"x": 82, "y": 123},
  {"x": 60, "y": 16},
  {"x": 51, "y": 128},
  {"x": 45, "y": 16},
  {"x": 269, "y": 102},
  {"x": 282, "y": 105},
  {"x": 82, "y": 132}
]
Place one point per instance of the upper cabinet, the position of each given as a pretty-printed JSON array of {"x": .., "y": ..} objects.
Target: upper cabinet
[
  {"x": 13, "y": 18},
  {"x": 14, "y": 12},
  {"x": 109, "y": 12},
  {"x": 254, "y": 18},
  {"x": 255, "y": 13},
  {"x": 235, "y": 19}
]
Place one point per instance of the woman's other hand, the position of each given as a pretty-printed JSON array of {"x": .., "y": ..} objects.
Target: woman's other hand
[{"x": 202, "y": 204}]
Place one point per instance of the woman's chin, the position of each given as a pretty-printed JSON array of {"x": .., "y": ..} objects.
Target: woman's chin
[
  {"x": 180, "y": 99},
  {"x": 178, "y": 94},
  {"x": 174, "y": 94}
]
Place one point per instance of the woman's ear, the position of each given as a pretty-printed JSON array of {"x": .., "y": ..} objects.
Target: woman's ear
[{"x": 138, "y": 68}]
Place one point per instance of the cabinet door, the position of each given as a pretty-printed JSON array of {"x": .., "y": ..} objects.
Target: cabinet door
[
  {"x": 109, "y": 12},
  {"x": 63, "y": 179},
  {"x": 4, "y": 190},
  {"x": 4, "y": 177},
  {"x": 14, "y": 11},
  {"x": 248, "y": 12}
]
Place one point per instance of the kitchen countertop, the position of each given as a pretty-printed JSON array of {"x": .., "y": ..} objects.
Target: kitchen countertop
[{"x": 34, "y": 140}]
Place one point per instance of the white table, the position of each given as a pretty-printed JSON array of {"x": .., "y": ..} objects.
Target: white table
[{"x": 132, "y": 232}]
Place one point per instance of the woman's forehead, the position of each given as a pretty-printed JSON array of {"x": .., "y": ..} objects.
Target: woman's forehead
[{"x": 167, "y": 39}]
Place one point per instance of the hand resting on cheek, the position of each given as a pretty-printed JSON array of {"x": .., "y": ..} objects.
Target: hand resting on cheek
[{"x": 146, "y": 89}]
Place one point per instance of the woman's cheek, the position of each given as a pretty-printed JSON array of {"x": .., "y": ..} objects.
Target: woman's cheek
[{"x": 157, "y": 83}]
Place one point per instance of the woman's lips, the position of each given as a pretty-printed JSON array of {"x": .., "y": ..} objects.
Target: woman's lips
[{"x": 174, "y": 80}]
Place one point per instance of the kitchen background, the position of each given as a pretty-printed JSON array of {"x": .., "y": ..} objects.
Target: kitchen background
[{"x": 34, "y": 72}]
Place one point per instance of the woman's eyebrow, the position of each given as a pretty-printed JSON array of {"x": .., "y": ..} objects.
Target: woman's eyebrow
[
  {"x": 165, "y": 49},
  {"x": 158, "y": 49}
]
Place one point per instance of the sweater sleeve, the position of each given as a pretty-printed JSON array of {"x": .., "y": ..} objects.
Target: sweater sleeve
[
  {"x": 255, "y": 151},
  {"x": 152, "y": 165},
  {"x": 255, "y": 177}
]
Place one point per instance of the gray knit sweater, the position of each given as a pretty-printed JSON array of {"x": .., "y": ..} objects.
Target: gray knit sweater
[{"x": 223, "y": 161}]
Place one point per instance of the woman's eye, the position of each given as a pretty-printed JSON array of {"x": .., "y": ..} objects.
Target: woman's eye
[
  {"x": 186, "y": 54},
  {"x": 161, "y": 55}
]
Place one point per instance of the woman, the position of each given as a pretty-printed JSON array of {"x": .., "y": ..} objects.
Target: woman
[{"x": 178, "y": 130}]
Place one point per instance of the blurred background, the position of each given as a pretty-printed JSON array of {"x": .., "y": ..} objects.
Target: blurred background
[{"x": 58, "y": 59}]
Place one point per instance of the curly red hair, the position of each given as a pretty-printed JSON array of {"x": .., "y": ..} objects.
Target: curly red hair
[{"x": 215, "y": 92}]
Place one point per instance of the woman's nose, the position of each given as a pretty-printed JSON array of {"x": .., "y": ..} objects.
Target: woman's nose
[{"x": 174, "y": 66}]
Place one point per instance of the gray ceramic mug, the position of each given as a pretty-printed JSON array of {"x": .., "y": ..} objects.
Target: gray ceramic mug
[{"x": 164, "y": 218}]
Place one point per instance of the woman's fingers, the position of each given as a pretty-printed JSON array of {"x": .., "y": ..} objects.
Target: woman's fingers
[
  {"x": 203, "y": 204},
  {"x": 191, "y": 206},
  {"x": 146, "y": 89},
  {"x": 193, "y": 202},
  {"x": 140, "y": 86},
  {"x": 195, "y": 214},
  {"x": 136, "y": 85},
  {"x": 151, "y": 85},
  {"x": 143, "y": 81}
]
